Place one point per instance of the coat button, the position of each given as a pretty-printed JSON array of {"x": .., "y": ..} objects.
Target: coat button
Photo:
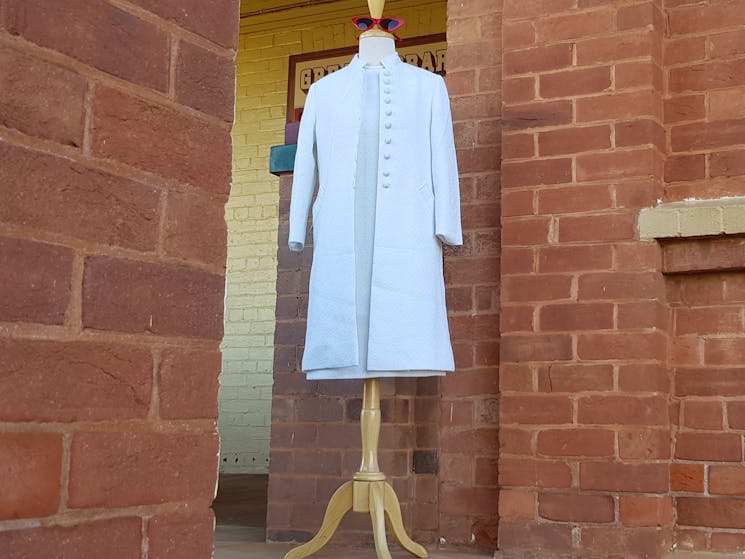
[
  {"x": 388, "y": 112},
  {"x": 386, "y": 184},
  {"x": 387, "y": 140},
  {"x": 386, "y": 81},
  {"x": 386, "y": 173},
  {"x": 387, "y": 90},
  {"x": 387, "y": 124},
  {"x": 387, "y": 100},
  {"x": 386, "y": 72},
  {"x": 386, "y": 156}
]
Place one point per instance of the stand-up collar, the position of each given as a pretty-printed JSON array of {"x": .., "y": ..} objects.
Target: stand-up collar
[{"x": 389, "y": 62}]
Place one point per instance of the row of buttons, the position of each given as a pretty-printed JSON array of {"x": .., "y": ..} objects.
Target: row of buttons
[{"x": 387, "y": 124}]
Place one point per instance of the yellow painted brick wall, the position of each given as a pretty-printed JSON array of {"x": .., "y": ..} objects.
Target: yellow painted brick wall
[{"x": 266, "y": 42}]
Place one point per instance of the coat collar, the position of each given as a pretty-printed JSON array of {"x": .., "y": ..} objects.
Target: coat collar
[{"x": 389, "y": 62}]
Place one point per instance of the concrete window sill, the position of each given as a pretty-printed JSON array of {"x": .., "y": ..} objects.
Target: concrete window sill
[
  {"x": 697, "y": 235},
  {"x": 695, "y": 218}
]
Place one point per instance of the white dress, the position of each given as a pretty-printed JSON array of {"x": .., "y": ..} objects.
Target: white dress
[{"x": 365, "y": 193}]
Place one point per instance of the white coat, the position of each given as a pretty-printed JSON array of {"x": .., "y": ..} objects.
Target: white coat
[{"x": 417, "y": 209}]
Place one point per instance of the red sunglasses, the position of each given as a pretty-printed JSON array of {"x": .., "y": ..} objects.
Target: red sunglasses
[{"x": 363, "y": 23}]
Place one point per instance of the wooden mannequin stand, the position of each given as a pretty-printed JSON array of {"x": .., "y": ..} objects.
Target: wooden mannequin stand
[{"x": 367, "y": 492}]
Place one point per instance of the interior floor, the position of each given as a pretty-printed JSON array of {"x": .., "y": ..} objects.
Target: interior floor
[
  {"x": 248, "y": 550},
  {"x": 240, "y": 533},
  {"x": 240, "y": 508}
]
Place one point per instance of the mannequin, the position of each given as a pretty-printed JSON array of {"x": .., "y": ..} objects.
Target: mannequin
[
  {"x": 368, "y": 492},
  {"x": 377, "y": 139}
]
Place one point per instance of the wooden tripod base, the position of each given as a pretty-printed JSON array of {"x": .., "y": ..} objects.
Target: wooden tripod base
[
  {"x": 375, "y": 497},
  {"x": 368, "y": 492}
]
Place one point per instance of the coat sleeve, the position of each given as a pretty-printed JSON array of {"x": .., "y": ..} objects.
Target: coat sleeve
[
  {"x": 445, "y": 169},
  {"x": 305, "y": 174}
]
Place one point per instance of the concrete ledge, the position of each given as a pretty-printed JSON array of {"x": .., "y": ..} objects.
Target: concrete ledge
[{"x": 693, "y": 218}]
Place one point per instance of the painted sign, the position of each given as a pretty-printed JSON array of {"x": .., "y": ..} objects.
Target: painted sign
[{"x": 426, "y": 52}]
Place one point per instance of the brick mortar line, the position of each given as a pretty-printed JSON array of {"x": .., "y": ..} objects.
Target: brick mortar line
[
  {"x": 160, "y": 243},
  {"x": 699, "y": 62},
  {"x": 489, "y": 94},
  {"x": 91, "y": 248},
  {"x": 638, "y": 32},
  {"x": 585, "y": 124},
  {"x": 559, "y": 14},
  {"x": 706, "y": 180},
  {"x": 196, "y": 426},
  {"x": 154, "y": 96},
  {"x": 594, "y": 95},
  {"x": 74, "y": 314},
  {"x": 175, "y": 29},
  {"x": 65, "y": 474},
  {"x": 558, "y": 127},
  {"x": 609, "y": 63},
  {"x": 717, "y": 336},
  {"x": 153, "y": 412},
  {"x": 144, "y": 537},
  {"x": 44, "y": 332},
  {"x": 573, "y": 68},
  {"x": 706, "y": 151},
  {"x": 603, "y": 331},
  {"x": 107, "y": 166},
  {"x": 173, "y": 52},
  {"x": 590, "y": 124},
  {"x": 706, "y": 34},
  {"x": 583, "y": 213},
  {"x": 605, "y": 212},
  {"x": 639, "y": 330},
  {"x": 88, "y": 117},
  {"x": 621, "y": 427},
  {"x": 600, "y": 492},
  {"x": 82, "y": 516}
]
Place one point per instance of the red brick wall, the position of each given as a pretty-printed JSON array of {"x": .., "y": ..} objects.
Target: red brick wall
[
  {"x": 705, "y": 99},
  {"x": 115, "y": 162},
  {"x": 708, "y": 472},
  {"x": 469, "y": 436},
  {"x": 618, "y": 381},
  {"x": 705, "y": 120},
  {"x": 584, "y": 407}
]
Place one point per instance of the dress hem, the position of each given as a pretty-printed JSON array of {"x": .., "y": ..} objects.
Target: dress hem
[{"x": 404, "y": 373}]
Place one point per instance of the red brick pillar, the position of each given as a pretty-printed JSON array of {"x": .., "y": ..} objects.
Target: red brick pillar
[
  {"x": 115, "y": 160},
  {"x": 469, "y": 408},
  {"x": 585, "y": 435}
]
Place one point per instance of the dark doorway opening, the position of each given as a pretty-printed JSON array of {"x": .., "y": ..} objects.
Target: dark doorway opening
[{"x": 240, "y": 507}]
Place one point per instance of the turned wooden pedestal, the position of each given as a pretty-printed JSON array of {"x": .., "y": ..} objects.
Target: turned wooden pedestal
[{"x": 367, "y": 492}]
